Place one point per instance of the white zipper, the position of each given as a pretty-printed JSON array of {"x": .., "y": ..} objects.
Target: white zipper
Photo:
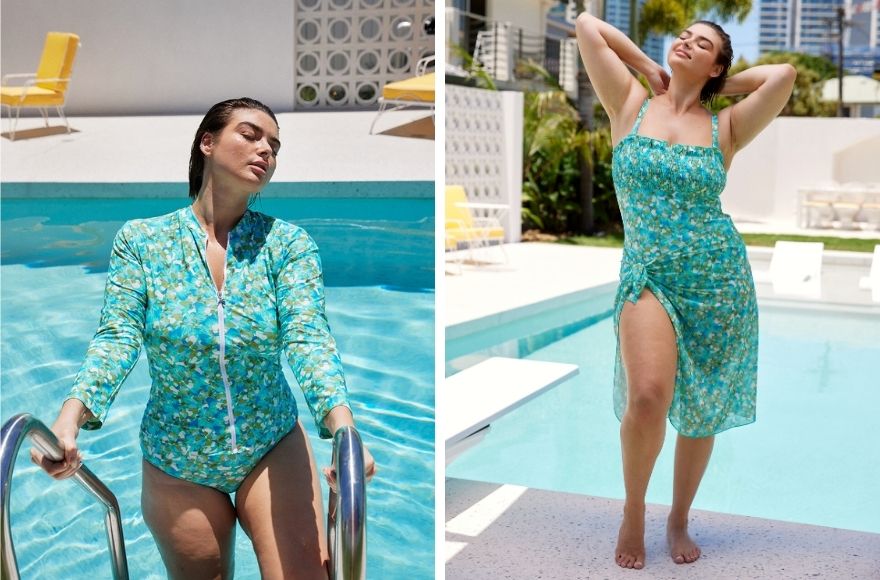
[{"x": 221, "y": 326}]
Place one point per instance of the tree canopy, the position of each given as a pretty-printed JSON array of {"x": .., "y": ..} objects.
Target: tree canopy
[
  {"x": 805, "y": 100},
  {"x": 672, "y": 16}
]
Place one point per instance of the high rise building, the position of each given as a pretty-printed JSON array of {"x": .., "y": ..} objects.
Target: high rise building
[
  {"x": 811, "y": 26},
  {"x": 561, "y": 18},
  {"x": 617, "y": 14},
  {"x": 864, "y": 36}
]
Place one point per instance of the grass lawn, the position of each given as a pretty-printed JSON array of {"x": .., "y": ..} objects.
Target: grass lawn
[{"x": 831, "y": 243}]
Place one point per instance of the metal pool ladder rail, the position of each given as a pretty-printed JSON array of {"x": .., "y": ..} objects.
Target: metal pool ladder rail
[
  {"x": 13, "y": 433},
  {"x": 347, "y": 509},
  {"x": 346, "y": 516}
]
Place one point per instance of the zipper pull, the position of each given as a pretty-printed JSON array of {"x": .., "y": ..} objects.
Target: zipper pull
[{"x": 220, "y": 299}]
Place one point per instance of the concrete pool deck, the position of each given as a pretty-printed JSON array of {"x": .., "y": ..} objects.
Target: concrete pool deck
[
  {"x": 316, "y": 146},
  {"x": 530, "y": 533},
  {"x": 480, "y": 295},
  {"x": 501, "y": 531}
]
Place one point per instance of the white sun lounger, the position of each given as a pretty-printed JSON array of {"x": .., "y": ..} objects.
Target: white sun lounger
[
  {"x": 795, "y": 269},
  {"x": 872, "y": 280},
  {"x": 477, "y": 396}
]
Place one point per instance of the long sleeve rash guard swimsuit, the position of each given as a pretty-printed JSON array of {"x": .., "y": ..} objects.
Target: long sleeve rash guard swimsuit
[{"x": 219, "y": 400}]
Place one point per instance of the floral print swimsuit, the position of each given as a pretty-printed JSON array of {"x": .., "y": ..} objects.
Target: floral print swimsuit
[
  {"x": 686, "y": 251},
  {"x": 219, "y": 400}
]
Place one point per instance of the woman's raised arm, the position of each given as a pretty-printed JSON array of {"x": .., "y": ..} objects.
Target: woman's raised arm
[
  {"x": 606, "y": 52},
  {"x": 769, "y": 86}
]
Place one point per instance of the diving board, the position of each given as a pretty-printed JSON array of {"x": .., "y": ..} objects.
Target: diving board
[{"x": 479, "y": 395}]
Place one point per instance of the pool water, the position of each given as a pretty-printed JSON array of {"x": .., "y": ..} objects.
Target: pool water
[
  {"x": 811, "y": 456},
  {"x": 363, "y": 242},
  {"x": 380, "y": 304}
]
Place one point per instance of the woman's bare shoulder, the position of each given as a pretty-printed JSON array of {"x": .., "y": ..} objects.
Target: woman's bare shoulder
[{"x": 623, "y": 123}]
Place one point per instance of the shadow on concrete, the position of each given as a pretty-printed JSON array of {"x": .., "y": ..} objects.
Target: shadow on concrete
[
  {"x": 419, "y": 129},
  {"x": 24, "y": 134}
]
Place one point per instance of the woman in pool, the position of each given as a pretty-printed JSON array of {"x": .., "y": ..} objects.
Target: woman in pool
[
  {"x": 216, "y": 292},
  {"x": 685, "y": 311}
]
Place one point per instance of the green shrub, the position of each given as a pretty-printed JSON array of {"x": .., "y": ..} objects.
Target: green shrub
[{"x": 554, "y": 143}]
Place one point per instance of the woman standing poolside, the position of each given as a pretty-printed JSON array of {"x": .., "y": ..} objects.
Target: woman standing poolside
[
  {"x": 685, "y": 313},
  {"x": 216, "y": 292}
]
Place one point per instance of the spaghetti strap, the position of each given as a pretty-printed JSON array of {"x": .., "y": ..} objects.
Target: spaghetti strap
[
  {"x": 641, "y": 114},
  {"x": 715, "y": 131},
  {"x": 685, "y": 250}
]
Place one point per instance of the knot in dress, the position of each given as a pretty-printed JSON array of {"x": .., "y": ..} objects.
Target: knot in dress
[{"x": 682, "y": 248}]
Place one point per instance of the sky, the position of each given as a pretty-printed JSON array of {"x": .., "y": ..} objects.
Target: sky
[{"x": 744, "y": 37}]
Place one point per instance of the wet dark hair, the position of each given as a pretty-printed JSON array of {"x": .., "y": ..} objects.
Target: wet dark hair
[
  {"x": 215, "y": 121},
  {"x": 725, "y": 59}
]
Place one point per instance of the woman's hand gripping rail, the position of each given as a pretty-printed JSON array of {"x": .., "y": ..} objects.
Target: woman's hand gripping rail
[
  {"x": 340, "y": 417},
  {"x": 66, "y": 428}
]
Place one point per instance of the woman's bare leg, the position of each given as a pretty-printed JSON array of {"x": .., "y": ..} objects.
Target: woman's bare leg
[
  {"x": 691, "y": 458},
  {"x": 194, "y": 526},
  {"x": 279, "y": 506},
  {"x": 650, "y": 355}
]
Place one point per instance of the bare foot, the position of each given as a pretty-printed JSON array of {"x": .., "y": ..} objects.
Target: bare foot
[
  {"x": 681, "y": 547},
  {"x": 630, "y": 551}
]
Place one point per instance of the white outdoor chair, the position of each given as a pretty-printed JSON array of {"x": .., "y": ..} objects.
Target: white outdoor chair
[
  {"x": 817, "y": 208},
  {"x": 871, "y": 208},
  {"x": 849, "y": 203},
  {"x": 872, "y": 280},
  {"x": 795, "y": 269}
]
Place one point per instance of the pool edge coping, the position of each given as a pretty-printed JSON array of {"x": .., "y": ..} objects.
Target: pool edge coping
[
  {"x": 474, "y": 325},
  {"x": 412, "y": 189}
]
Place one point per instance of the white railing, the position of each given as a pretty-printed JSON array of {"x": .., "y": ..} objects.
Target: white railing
[{"x": 346, "y": 516}]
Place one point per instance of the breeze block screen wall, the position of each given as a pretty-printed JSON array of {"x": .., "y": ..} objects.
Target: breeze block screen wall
[
  {"x": 346, "y": 50},
  {"x": 484, "y": 132}
]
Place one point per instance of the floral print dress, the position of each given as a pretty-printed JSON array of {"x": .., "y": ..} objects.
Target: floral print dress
[
  {"x": 218, "y": 400},
  {"x": 686, "y": 251}
]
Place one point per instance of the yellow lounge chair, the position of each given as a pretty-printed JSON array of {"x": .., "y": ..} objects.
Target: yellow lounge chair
[
  {"x": 417, "y": 91},
  {"x": 48, "y": 86},
  {"x": 464, "y": 231}
]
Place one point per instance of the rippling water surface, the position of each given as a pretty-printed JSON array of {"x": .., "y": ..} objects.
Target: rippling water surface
[{"x": 383, "y": 320}]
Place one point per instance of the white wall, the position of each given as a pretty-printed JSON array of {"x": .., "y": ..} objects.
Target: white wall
[
  {"x": 159, "y": 56},
  {"x": 858, "y": 162},
  {"x": 530, "y": 15},
  {"x": 795, "y": 152},
  {"x": 513, "y": 105}
]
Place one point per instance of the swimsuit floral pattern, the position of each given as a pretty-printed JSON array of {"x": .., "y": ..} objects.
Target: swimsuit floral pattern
[
  {"x": 685, "y": 250},
  {"x": 219, "y": 400}
]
